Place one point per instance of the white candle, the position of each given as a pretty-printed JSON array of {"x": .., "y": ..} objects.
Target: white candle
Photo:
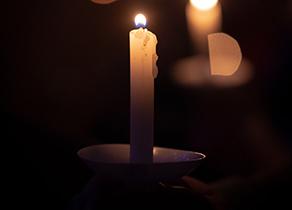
[
  {"x": 143, "y": 59},
  {"x": 204, "y": 17}
]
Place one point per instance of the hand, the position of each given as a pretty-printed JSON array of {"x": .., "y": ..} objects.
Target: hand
[{"x": 222, "y": 195}]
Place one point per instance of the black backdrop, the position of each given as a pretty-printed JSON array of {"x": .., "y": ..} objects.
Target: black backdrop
[{"x": 65, "y": 84}]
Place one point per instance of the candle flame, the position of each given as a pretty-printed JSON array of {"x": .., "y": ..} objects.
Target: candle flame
[
  {"x": 140, "y": 20},
  {"x": 204, "y": 4}
]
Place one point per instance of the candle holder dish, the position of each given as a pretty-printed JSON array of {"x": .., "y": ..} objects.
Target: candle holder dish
[{"x": 113, "y": 160}]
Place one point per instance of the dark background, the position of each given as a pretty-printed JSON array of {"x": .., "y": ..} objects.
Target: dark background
[{"x": 65, "y": 85}]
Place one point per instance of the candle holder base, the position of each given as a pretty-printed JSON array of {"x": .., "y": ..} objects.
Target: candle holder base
[{"x": 112, "y": 160}]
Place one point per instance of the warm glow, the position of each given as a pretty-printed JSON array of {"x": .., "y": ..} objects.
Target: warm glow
[
  {"x": 103, "y": 1},
  {"x": 154, "y": 151},
  {"x": 204, "y": 4},
  {"x": 140, "y": 20}
]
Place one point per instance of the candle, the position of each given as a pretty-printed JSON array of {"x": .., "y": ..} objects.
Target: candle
[
  {"x": 204, "y": 17},
  {"x": 143, "y": 59}
]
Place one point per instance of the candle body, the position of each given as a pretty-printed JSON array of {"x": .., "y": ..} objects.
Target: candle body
[
  {"x": 201, "y": 23},
  {"x": 143, "y": 72}
]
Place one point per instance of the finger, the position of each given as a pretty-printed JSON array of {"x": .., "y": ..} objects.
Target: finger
[{"x": 196, "y": 185}]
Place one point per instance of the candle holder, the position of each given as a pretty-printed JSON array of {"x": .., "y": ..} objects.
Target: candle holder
[{"x": 112, "y": 160}]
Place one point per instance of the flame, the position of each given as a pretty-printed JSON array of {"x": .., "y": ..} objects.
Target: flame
[
  {"x": 140, "y": 20},
  {"x": 204, "y": 4}
]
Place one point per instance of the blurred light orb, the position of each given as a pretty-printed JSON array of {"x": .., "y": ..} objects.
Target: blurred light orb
[
  {"x": 140, "y": 20},
  {"x": 204, "y": 4},
  {"x": 103, "y": 1}
]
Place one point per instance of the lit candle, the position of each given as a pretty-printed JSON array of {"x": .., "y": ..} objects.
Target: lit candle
[
  {"x": 204, "y": 17},
  {"x": 143, "y": 59}
]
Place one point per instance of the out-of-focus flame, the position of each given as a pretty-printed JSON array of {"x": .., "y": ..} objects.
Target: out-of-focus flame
[
  {"x": 140, "y": 20},
  {"x": 204, "y": 4},
  {"x": 103, "y": 1}
]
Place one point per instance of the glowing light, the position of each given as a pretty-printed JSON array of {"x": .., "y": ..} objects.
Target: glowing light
[
  {"x": 103, "y": 1},
  {"x": 204, "y": 4},
  {"x": 140, "y": 20}
]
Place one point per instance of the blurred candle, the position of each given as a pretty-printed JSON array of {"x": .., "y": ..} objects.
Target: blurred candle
[
  {"x": 204, "y": 17},
  {"x": 143, "y": 72},
  {"x": 103, "y": 1}
]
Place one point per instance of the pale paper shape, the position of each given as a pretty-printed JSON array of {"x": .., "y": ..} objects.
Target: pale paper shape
[
  {"x": 103, "y": 1},
  {"x": 225, "y": 54}
]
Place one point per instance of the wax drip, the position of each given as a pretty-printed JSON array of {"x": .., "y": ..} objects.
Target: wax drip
[
  {"x": 154, "y": 65},
  {"x": 146, "y": 40},
  {"x": 140, "y": 33}
]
